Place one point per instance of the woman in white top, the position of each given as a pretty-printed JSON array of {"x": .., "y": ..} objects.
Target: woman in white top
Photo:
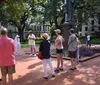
[
  {"x": 59, "y": 50},
  {"x": 17, "y": 45}
]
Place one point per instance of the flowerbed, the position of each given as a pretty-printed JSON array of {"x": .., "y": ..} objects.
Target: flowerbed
[{"x": 85, "y": 51}]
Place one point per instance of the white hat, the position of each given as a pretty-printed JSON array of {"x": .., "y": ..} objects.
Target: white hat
[
  {"x": 58, "y": 30},
  {"x": 45, "y": 36},
  {"x": 17, "y": 36}
]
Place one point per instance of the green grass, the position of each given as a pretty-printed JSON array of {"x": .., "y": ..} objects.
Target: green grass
[
  {"x": 25, "y": 44},
  {"x": 94, "y": 40}
]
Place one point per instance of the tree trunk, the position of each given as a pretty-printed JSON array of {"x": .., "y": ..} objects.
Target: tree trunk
[
  {"x": 56, "y": 23},
  {"x": 20, "y": 32}
]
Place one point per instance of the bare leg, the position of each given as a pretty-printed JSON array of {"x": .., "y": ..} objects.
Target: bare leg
[
  {"x": 4, "y": 82},
  {"x": 61, "y": 58},
  {"x": 10, "y": 79},
  {"x": 34, "y": 51},
  {"x": 75, "y": 63},
  {"x": 31, "y": 50},
  {"x": 58, "y": 60},
  {"x": 72, "y": 62}
]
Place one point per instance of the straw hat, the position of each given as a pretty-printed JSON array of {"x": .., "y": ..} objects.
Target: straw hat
[
  {"x": 45, "y": 36},
  {"x": 58, "y": 30}
]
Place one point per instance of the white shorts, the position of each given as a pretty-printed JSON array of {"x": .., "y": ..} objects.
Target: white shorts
[{"x": 32, "y": 46}]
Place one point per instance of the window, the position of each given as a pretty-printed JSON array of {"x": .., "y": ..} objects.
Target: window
[
  {"x": 40, "y": 28},
  {"x": 80, "y": 29},
  {"x": 80, "y": 34},
  {"x": 92, "y": 22},
  {"x": 92, "y": 29},
  {"x": 85, "y": 34},
  {"x": 99, "y": 28},
  {"x": 34, "y": 28},
  {"x": 86, "y": 28}
]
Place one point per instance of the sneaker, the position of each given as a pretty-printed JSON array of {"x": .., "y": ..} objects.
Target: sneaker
[
  {"x": 53, "y": 75},
  {"x": 0, "y": 79},
  {"x": 35, "y": 55},
  {"x": 45, "y": 77},
  {"x": 31, "y": 55},
  {"x": 71, "y": 68},
  {"x": 61, "y": 69},
  {"x": 56, "y": 70}
]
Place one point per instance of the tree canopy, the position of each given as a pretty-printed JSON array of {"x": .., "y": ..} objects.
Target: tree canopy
[{"x": 16, "y": 12}]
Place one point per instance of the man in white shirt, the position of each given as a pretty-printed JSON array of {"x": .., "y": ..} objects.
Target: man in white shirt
[
  {"x": 32, "y": 46},
  {"x": 88, "y": 41}
]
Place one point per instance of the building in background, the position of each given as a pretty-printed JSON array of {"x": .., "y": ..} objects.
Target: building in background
[
  {"x": 37, "y": 30},
  {"x": 90, "y": 26}
]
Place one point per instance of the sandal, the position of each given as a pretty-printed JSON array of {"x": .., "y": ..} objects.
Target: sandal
[
  {"x": 71, "y": 68},
  {"x": 61, "y": 69},
  {"x": 53, "y": 75},
  {"x": 1, "y": 79},
  {"x": 75, "y": 68},
  {"x": 56, "y": 70}
]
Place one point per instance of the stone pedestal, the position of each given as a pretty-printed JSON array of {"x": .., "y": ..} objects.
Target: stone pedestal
[{"x": 65, "y": 32}]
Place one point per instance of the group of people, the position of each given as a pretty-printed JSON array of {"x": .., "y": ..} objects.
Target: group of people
[
  {"x": 31, "y": 41},
  {"x": 7, "y": 52},
  {"x": 73, "y": 44}
]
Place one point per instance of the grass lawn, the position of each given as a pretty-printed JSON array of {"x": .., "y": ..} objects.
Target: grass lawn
[{"x": 25, "y": 44}]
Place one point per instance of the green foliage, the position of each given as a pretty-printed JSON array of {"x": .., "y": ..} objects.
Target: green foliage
[
  {"x": 96, "y": 41},
  {"x": 85, "y": 9},
  {"x": 52, "y": 28},
  {"x": 25, "y": 43},
  {"x": 17, "y": 12}
]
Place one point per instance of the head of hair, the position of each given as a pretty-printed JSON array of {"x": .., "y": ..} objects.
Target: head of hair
[
  {"x": 3, "y": 31},
  {"x": 76, "y": 35},
  {"x": 30, "y": 31},
  {"x": 71, "y": 30}
]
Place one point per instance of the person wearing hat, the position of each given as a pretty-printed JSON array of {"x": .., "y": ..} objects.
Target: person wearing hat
[
  {"x": 45, "y": 49},
  {"x": 59, "y": 50},
  {"x": 17, "y": 45},
  {"x": 31, "y": 40}
]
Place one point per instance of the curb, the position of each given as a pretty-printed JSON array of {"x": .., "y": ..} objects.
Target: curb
[{"x": 83, "y": 59}]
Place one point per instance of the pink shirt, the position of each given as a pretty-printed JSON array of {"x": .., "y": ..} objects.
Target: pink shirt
[
  {"x": 59, "y": 42},
  {"x": 7, "y": 49}
]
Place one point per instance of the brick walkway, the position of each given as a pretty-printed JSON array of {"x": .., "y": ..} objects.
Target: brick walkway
[{"x": 29, "y": 71}]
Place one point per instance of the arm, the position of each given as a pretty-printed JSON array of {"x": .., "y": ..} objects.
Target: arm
[
  {"x": 69, "y": 40},
  {"x": 41, "y": 47},
  {"x": 78, "y": 41},
  {"x": 33, "y": 37},
  {"x": 13, "y": 46}
]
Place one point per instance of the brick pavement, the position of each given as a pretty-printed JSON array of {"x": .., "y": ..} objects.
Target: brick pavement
[{"x": 29, "y": 71}]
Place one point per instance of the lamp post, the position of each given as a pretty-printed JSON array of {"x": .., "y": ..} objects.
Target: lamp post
[{"x": 68, "y": 10}]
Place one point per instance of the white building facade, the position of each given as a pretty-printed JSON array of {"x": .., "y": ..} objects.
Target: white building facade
[{"x": 90, "y": 26}]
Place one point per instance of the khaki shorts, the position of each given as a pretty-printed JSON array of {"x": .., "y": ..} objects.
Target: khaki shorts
[
  {"x": 7, "y": 70},
  {"x": 72, "y": 54}
]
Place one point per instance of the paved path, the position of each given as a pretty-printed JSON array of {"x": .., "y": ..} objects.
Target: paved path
[{"x": 29, "y": 71}]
